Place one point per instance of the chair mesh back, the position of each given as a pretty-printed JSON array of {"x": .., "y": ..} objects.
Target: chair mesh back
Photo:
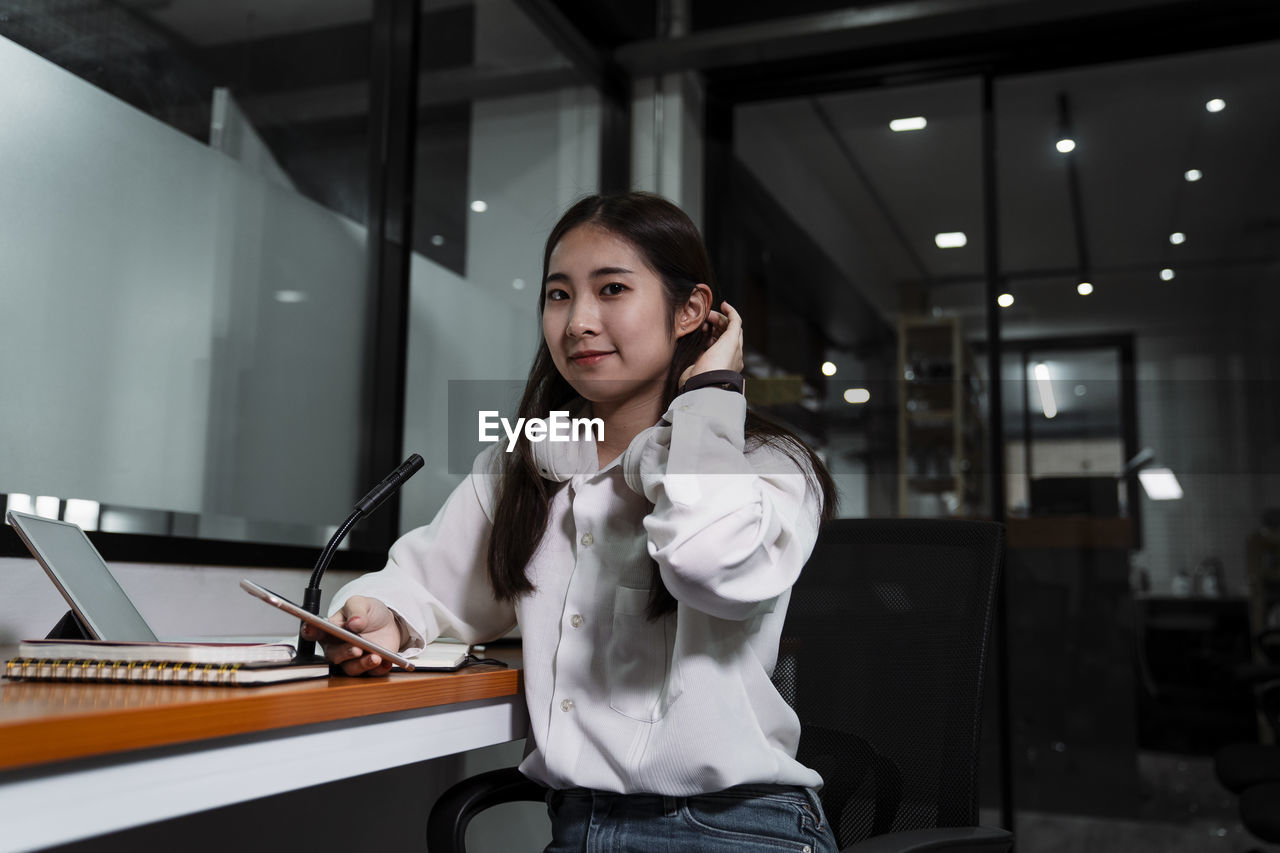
[{"x": 882, "y": 657}]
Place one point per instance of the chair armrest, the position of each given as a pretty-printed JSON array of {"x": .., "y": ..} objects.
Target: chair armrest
[
  {"x": 447, "y": 823},
  {"x": 971, "y": 839}
]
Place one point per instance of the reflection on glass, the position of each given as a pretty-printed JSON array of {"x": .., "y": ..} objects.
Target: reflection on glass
[
  {"x": 93, "y": 516},
  {"x": 852, "y": 242},
  {"x": 1115, "y": 588},
  {"x": 1068, "y": 401},
  {"x": 508, "y": 137},
  {"x": 82, "y": 512},
  {"x": 198, "y": 307},
  {"x": 21, "y": 503}
]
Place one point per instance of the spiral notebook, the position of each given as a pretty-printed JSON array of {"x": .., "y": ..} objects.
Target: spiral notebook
[{"x": 159, "y": 672}]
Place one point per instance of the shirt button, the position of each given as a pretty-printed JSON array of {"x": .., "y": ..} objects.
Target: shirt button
[
  {"x": 566, "y": 704},
  {"x": 587, "y": 539},
  {"x": 576, "y": 620}
]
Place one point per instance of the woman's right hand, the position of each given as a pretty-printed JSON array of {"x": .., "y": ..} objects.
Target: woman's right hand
[
  {"x": 724, "y": 351},
  {"x": 369, "y": 618}
]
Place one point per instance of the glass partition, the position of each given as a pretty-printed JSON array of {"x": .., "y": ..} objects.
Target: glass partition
[
  {"x": 855, "y": 244},
  {"x": 506, "y": 143},
  {"x": 1142, "y": 431},
  {"x": 186, "y": 279},
  {"x": 1136, "y": 282},
  {"x": 184, "y": 268}
]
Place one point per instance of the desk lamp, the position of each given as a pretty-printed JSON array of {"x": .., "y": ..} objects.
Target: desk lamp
[{"x": 1160, "y": 484}]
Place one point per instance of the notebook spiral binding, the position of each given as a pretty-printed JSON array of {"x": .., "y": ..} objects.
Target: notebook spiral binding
[{"x": 156, "y": 672}]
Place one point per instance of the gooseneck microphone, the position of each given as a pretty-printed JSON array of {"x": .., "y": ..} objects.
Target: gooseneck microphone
[{"x": 365, "y": 506}]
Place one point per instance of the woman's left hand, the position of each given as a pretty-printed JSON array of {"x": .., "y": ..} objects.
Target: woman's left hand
[{"x": 725, "y": 349}]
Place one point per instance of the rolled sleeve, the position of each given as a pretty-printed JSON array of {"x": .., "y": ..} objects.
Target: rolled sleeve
[{"x": 730, "y": 529}]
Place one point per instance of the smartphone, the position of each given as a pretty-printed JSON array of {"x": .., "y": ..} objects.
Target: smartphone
[{"x": 324, "y": 624}]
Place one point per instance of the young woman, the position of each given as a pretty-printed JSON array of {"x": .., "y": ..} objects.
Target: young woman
[{"x": 649, "y": 569}]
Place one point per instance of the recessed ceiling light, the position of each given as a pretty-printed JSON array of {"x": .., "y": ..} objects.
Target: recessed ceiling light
[
  {"x": 517, "y": 283},
  {"x": 479, "y": 206},
  {"x": 1004, "y": 300},
  {"x": 290, "y": 297},
  {"x": 913, "y": 123},
  {"x": 1177, "y": 238},
  {"x": 1044, "y": 384},
  {"x": 828, "y": 368},
  {"x": 1081, "y": 390},
  {"x": 856, "y": 395},
  {"x": 1166, "y": 274},
  {"x": 1065, "y": 146},
  {"x": 1216, "y": 105},
  {"x": 950, "y": 239},
  {"x": 1084, "y": 288},
  {"x": 1193, "y": 174},
  {"x": 437, "y": 239}
]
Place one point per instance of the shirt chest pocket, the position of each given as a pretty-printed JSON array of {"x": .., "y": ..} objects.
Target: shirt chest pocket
[{"x": 644, "y": 679}]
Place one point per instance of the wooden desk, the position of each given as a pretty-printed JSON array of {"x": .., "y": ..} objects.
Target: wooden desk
[
  {"x": 78, "y": 760},
  {"x": 1070, "y": 531}
]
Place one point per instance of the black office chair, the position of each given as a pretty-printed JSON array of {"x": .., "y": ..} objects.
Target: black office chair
[{"x": 883, "y": 657}]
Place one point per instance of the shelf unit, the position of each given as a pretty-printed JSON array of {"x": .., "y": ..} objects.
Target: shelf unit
[{"x": 940, "y": 430}]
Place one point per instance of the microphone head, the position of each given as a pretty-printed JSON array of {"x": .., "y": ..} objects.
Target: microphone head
[
  {"x": 364, "y": 506},
  {"x": 390, "y": 485}
]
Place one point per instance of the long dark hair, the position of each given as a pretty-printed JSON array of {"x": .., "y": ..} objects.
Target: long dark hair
[{"x": 670, "y": 244}]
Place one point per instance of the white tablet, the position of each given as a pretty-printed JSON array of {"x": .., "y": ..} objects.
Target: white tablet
[{"x": 80, "y": 574}]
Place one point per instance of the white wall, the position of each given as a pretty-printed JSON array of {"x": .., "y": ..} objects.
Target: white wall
[
  {"x": 1058, "y": 457},
  {"x": 176, "y": 601}
]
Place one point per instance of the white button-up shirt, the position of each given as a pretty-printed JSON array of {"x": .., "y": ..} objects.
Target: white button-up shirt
[{"x": 677, "y": 706}]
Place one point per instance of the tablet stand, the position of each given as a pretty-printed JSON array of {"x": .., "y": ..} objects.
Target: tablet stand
[{"x": 69, "y": 627}]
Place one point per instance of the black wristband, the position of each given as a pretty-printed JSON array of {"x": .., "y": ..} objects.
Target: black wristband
[{"x": 729, "y": 380}]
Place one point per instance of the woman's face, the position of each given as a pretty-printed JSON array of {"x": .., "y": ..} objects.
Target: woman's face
[{"x": 605, "y": 317}]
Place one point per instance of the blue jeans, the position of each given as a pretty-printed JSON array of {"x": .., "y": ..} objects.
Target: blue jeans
[{"x": 745, "y": 819}]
